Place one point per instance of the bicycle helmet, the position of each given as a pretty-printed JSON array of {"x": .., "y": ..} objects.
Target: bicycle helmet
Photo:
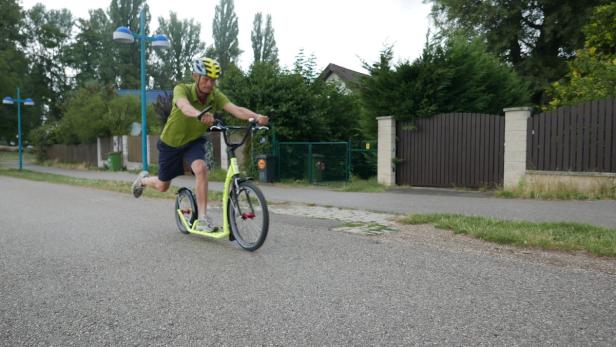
[{"x": 207, "y": 67}]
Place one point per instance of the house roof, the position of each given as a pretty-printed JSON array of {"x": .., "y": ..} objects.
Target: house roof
[{"x": 349, "y": 76}]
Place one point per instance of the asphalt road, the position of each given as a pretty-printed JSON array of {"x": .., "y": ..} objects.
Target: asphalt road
[{"x": 95, "y": 268}]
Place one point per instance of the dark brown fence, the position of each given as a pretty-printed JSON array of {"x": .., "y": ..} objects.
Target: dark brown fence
[
  {"x": 106, "y": 146},
  {"x": 84, "y": 153},
  {"x": 455, "y": 149},
  {"x": 580, "y": 138}
]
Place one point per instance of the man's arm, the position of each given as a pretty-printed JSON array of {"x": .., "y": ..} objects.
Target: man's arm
[
  {"x": 244, "y": 113},
  {"x": 186, "y": 108},
  {"x": 189, "y": 111}
]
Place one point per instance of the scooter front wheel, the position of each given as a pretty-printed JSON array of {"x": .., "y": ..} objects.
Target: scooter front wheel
[{"x": 248, "y": 215}]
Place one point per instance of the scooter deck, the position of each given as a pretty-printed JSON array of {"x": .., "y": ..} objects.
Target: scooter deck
[{"x": 190, "y": 228}]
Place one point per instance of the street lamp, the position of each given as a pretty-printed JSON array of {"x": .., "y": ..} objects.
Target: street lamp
[
  {"x": 125, "y": 35},
  {"x": 9, "y": 101}
]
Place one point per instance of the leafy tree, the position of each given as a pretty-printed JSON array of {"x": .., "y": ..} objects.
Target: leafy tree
[
  {"x": 263, "y": 42},
  {"x": 592, "y": 74},
  {"x": 174, "y": 65},
  {"x": 305, "y": 66},
  {"x": 126, "y": 58},
  {"x": 90, "y": 54},
  {"x": 83, "y": 119},
  {"x": 300, "y": 109},
  {"x": 451, "y": 76},
  {"x": 94, "y": 110},
  {"x": 48, "y": 34},
  {"x": 536, "y": 36},
  {"x": 13, "y": 65},
  {"x": 225, "y": 30}
]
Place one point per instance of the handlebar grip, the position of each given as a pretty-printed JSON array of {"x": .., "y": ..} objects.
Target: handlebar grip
[{"x": 205, "y": 110}]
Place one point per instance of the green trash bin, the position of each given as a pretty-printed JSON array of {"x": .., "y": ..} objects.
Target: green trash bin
[{"x": 114, "y": 161}]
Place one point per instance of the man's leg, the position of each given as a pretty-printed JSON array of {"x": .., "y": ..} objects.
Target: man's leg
[
  {"x": 201, "y": 186},
  {"x": 156, "y": 183}
]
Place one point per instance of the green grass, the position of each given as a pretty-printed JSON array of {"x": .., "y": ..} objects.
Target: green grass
[
  {"x": 10, "y": 156},
  {"x": 562, "y": 236},
  {"x": 558, "y": 191},
  {"x": 115, "y": 186},
  {"x": 360, "y": 185}
]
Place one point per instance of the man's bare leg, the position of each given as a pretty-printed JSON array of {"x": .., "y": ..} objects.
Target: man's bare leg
[
  {"x": 201, "y": 186},
  {"x": 156, "y": 183}
]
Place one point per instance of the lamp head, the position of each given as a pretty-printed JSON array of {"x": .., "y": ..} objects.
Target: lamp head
[
  {"x": 123, "y": 35},
  {"x": 161, "y": 41},
  {"x": 29, "y": 102},
  {"x": 8, "y": 100}
]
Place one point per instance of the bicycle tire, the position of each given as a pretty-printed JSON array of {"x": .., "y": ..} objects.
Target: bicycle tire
[
  {"x": 185, "y": 200},
  {"x": 248, "y": 215}
]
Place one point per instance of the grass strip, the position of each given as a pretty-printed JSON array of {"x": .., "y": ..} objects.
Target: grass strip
[
  {"x": 563, "y": 236},
  {"x": 114, "y": 186}
]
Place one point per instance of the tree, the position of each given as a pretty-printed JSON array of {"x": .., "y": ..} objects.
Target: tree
[
  {"x": 13, "y": 65},
  {"x": 90, "y": 54},
  {"x": 305, "y": 67},
  {"x": 451, "y": 76},
  {"x": 174, "y": 65},
  {"x": 94, "y": 110},
  {"x": 225, "y": 30},
  {"x": 592, "y": 74},
  {"x": 48, "y": 33},
  {"x": 126, "y": 58},
  {"x": 536, "y": 36},
  {"x": 300, "y": 109},
  {"x": 263, "y": 42}
]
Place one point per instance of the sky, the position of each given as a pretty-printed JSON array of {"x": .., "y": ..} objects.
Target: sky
[{"x": 343, "y": 32}]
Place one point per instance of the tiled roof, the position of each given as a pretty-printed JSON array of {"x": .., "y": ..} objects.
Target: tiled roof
[{"x": 347, "y": 75}]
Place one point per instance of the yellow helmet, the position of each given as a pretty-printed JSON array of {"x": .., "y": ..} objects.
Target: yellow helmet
[{"x": 207, "y": 67}]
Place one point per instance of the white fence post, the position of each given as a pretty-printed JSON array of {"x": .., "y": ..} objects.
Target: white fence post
[
  {"x": 124, "y": 150},
  {"x": 149, "y": 150},
  {"x": 99, "y": 154},
  {"x": 224, "y": 161},
  {"x": 386, "y": 169},
  {"x": 516, "y": 123}
]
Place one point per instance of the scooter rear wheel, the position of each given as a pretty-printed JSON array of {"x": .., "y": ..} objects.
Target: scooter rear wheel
[{"x": 185, "y": 202}]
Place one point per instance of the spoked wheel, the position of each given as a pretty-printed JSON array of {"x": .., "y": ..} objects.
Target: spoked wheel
[
  {"x": 248, "y": 215},
  {"x": 186, "y": 203}
]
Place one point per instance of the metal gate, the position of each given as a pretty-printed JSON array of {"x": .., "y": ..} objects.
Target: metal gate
[{"x": 451, "y": 150}]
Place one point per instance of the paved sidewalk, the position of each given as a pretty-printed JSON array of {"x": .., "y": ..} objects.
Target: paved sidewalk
[{"x": 403, "y": 201}]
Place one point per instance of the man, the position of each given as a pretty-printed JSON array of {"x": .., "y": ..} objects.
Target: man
[{"x": 182, "y": 137}]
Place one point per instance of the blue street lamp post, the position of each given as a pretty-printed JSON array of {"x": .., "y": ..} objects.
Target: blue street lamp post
[
  {"x": 9, "y": 101},
  {"x": 124, "y": 35}
]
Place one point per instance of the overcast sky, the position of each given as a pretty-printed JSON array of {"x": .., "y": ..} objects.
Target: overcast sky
[{"x": 343, "y": 32}]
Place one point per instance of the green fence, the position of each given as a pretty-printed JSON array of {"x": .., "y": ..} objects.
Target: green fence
[
  {"x": 323, "y": 161},
  {"x": 363, "y": 159},
  {"x": 312, "y": 161}
]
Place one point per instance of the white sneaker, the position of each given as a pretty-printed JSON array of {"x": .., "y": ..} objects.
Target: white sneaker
[
  {"x": 205, "y": 225},
  {"x": 138, "y": 185}
]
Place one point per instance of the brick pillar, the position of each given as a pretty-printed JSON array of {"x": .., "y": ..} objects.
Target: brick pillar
[
  {"x": 386, "y": 170},
  {"x": 516, "y": 122}
]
